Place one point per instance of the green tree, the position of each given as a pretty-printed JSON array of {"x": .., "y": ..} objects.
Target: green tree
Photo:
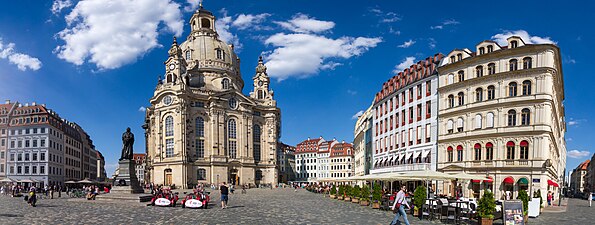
[
  {"x": 355, "y": 192},
  {"x": 333, "y": 190},
  {"x": 341, "y": 190},
  {"x": 377, "y": 192},
  {"x": 348, "y": 190},
  {"x": 524, "y": 197},
  {"x": 487, "y": 205},
  {"x": 365, "y": 193},
  {"x": 419, "y": 196}
]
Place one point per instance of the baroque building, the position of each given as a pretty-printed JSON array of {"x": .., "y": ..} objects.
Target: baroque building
[
  {"x": 501, "y": 115},
  {"x": 200, "y": 127}
]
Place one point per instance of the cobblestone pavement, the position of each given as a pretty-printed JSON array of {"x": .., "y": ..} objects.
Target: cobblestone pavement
[{"x": 258, "y": 206}]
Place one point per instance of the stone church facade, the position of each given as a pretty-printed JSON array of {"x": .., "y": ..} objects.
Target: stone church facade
[{"x": 200, "y": 127}]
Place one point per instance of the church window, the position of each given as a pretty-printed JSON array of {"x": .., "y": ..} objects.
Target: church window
[
  {"x": 201, "y": 174},
  {"x": 200, "y": 133},
  {"x": 232, "y": 135},
  {"x": 205, "y": 23},
  {"x": 225, "y": 83},
  {"x": 256, "y": 140},
  {"x": 188, "y": 54},
  {"x": 169, "y": 126},
  {"x": 200, "y": 127},
  {"x": 169, "y": 147},
  {"x": 221, "y": 54},
  {"x": 260, "y": 96}
]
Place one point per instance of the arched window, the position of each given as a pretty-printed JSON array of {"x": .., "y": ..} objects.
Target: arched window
[
  {"x": 461, "y": 98},
  {"x": 201, "y": 174},
  {"x": 450, "y": 153},
  {"x": 460, "y": 125},
  {"x": 200, "y": 127},
  {"x": 205, "y": 23},
  {"x": 258, "y": 175},
  {"x": 525, "y": 116},
  {"x": 477, "y": 151},
  {"x": 169, "y": 126},
  {"x": 490, "y": 120},
  {"x": 460, "y": 153},
  {"x": 478, "y": 120},
  {"x": 260, "y": 96},
  {"x": 461, "y": 76},
  {"x": 169, "y": 78},
  {"x": 491, "y": 68},
  {"x": 478, "y": 94},
  {"x": 524, "y": 149},
  {"x": 491, "y": 92},
  {"x": 256, "y": 142},
  {"x": 514, "y": 44},
  {"x": 451, "y": 101},
  {"x": 512, "y": 64},
  {"x": 449, "y": 126},
  {"x": 527, "y": 87},
  {"x": 512, "y": 89},
  {"x": 482, "y": 51},
  {"x": 479, "y": 71},
  {"x": 490, "y": 48},
  {"x": 511, "y": 118},
  {"x": 225, "y": 83},
  {"x": 527, "y": 63},
  {"x": 510, "y": 150},
  {"x": 200, "y": 140},
  {"x": 188, "y": 54},
  {"x": 231, "y": 134},
  {"x": 489, "y": 151},
  {"x": 450, "y": 79}
]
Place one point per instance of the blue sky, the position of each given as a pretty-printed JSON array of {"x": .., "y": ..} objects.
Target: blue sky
[{"x": 96, "y": 62}]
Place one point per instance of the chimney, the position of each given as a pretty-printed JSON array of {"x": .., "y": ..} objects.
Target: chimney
[
  {"x": 26, "y": 104},
  {"x": 308, "y": 138},
  {"x": 34, "y": 104},
  {"x": 8, "y": 101}
]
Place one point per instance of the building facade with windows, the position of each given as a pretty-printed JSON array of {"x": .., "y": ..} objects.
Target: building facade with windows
[
  {"x": 200, "y": 127},
  {"x": 306, "y": 159},
  {"x": 340, "y": 162},
  {"x": 404, "y": 120},
  {"x": 286, "y": 162},
  {"x": 101, "y": 174},
  {"x": 362, "y": 143},
  {"x": 139, "y": 164},
  {"x": 501, "y": 116},
  {"x": 578, "y": 178},
  {"x": 37, "y": 143}
]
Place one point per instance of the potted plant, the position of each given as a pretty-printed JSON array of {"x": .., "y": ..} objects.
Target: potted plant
[
  {"x": 348, "y": 193},
  {"x": 355, "y": 194},
  {"x": 341, "y": 193},
  {"x": 376, "y": 196},
  {"x": 486, "y": 208},
  {"x": 419, "y": 197},
  {"x": 524, "y": 197},
  {"x": 333, "y": 192},
  {"x": 364, "y": 196}
]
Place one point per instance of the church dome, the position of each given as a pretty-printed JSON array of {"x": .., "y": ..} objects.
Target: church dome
[{"x": 205, "y": 53}]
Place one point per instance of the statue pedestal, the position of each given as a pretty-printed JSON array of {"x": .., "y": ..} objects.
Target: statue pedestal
[{"x": 127, "y": 176}]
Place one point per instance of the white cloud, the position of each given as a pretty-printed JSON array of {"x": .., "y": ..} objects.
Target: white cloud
[
  {"x": 301, "y": 23},
  {"x": 244, "y": 21},
  {"x": 568, "y": 139},
  {"x": 445, "y": 23},
  {"x": 223, "y": 25},
  {"x": 192, "y": 5},
  {"x": 528, "y": 39},
  {"x": 112, "y": 33},
  {"x": 21, "y": 60},
  {"x": 302, "y": 55},
  {"x": 351, "y": 92},
  {"x": 578, "y": 154},
  {"x": 58, "y": 5},
  {"x": 431, "y": 43},
  {"x": 408, "y": 61},
  {"x": 142, "y": 109},
  {"x": 387, "y": 17},
  {"x": 358, "y": 114},
  {"x": 574, "y": 122},
  {"x": 407, "y": 44}
]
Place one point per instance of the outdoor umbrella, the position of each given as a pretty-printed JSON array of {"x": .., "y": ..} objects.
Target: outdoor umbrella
[
  {"x": 8, "y": 180},
  {"x": 27, "y": 181},
  {"x": 86, "y": 181},
  {"x": 466, "y": 176},
  {"x": 70, "y": 182}
]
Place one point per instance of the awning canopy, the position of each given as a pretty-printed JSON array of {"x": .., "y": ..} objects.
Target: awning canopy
[
  {"x": 416, "y": 154},
  {"x": 552, "y": 183},
  {"x": 408, "y": 155},
  {"x": 425, "y": 154},
  {"x": 523, "y": 181},
  {"x": 488, "y": 180},
  {"x": 508, "y": 180},
  {"x": 396, "y": 158}
]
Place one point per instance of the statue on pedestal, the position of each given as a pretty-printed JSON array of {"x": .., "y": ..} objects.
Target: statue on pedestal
[{"x": 127, "y": 143}]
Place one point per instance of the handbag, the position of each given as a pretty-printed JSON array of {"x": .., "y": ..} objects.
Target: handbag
[{"x": 397, "y": 206}]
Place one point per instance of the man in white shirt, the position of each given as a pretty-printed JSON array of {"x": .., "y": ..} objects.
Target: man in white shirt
[
  {"x": 590, "y": 198},
  {"x": 402, "y": 202}
]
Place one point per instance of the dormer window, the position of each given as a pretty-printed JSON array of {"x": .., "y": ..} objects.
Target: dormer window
[
  {"x": 481, "y": 50},
  {"x": 188, "y": 54},
  {"x": 514, "y": 44},
  {"x": 459, "y": 57},
  {"x": 452, "y": 59},
  {"x": 205, "y": 23},
  {"x": 490, "y": 48}
]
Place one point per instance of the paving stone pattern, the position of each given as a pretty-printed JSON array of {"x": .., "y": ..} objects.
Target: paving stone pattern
[{"x": 258, "y": 206}]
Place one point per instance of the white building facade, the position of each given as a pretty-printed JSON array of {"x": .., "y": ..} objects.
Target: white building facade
[{"x": 362, "y": 143}]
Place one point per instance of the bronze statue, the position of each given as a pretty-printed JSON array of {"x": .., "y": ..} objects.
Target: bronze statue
[{"x": 127, "y": 142}]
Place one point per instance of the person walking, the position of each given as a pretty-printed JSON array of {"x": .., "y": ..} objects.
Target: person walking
[
  {"x": 590, "y": 198},
  {"x": 399, "y": 207},
  {"x": 224, "y": 195},
  {"x": 549, "y": 198}
]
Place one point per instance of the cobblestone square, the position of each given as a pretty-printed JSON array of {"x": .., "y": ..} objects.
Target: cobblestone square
[{"x": 258, "y": 206}]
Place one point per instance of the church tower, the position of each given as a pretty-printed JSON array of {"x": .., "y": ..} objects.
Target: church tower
[
  {"x": 261, "y": 79},
  {"x": 175, "y": 65}
]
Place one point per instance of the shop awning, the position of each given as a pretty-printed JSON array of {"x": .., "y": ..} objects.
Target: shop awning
[
  {"x": 552, "y": 183},
  {"x": 416, "y": 154},
  {"x": 476, "y": 181},
  {"x": 390, "y": 161},
  {"x": 396, "y": 159},
  {"x": 508, "y": 180},
  {"x": 523, "y": 181},
  {"x": 408, "y": 156},
  {"x": 488, "y": 180},
  {"x": 425, "y": 154}
]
